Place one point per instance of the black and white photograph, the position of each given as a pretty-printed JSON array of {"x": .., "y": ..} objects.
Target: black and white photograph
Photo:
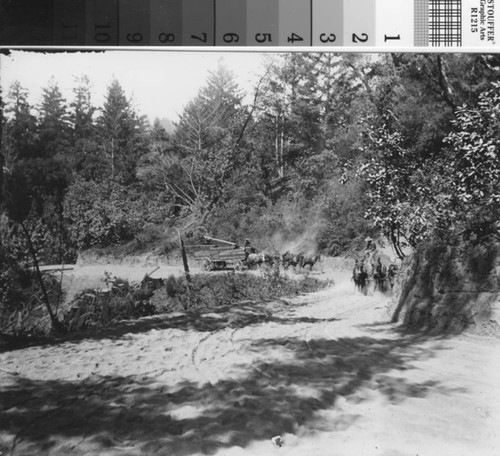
[{"x": 249, "y": 253}]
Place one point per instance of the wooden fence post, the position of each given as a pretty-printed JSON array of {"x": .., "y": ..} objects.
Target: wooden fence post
[{"x": 184, "y": 258}]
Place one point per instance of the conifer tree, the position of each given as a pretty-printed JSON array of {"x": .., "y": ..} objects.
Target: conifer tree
[
  {"x": 82, "y": 109},
  {"x": 19, "y": 134},
  {"x": 53, "y": 122},
  {"x": 85, "y": 159},
  {"x": 205, "y": 160},
  {"x": 120, "y": 135}
]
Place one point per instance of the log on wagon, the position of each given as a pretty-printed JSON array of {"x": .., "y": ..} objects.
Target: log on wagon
[{"x": 213, "y": 258}]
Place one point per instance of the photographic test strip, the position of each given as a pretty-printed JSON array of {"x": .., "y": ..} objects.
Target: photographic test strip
[{"x": 336, "y": 24}]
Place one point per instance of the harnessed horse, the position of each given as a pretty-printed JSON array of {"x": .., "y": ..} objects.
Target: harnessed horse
[
  {"x": 359, "y": 275},
  {"x": 289, "y": 259},
  {"x": 310, "y": 261},
  {"x": 380, "y": 276},
  {"x": 257, "y": 259},
  {"x": 253, "y": 260},
  {"x": 391, "y": 274}
]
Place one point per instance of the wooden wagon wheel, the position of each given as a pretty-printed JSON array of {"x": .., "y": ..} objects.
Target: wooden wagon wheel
[
  {"x": 207, "y": 264},
  {"x": 238, "y": 265}
]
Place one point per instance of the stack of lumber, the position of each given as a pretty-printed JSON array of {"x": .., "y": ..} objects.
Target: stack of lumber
[{"x": 219, "y": 253}]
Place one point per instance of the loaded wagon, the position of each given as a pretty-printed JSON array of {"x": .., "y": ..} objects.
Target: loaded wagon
[{"x": 214, "y": 258}]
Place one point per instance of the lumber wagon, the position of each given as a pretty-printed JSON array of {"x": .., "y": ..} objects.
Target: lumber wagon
[{"x": 218, "y": 257}]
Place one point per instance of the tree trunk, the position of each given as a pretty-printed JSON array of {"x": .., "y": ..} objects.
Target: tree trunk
[
  {"x": 112, "y": 159},
  {"x": 396, "y": 244},
  {"x": 276, "y": 145},
  {"x": 56, "y": 325},
  {"x": 444, "y": 83},
  {"x": 282, "y": 142},
  {"x": 184, "y": 258}
]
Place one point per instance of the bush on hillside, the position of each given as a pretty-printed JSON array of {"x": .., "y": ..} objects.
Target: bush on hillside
[
  {"x": 22, "y": 312},
  {"x": 94, "y": 308},
  {"x": 219, "y": 290},
  {"x": 101, "y": 308}
]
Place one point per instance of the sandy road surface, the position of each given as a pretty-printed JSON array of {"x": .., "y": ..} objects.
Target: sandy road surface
[{"x": 325, "y": 371}]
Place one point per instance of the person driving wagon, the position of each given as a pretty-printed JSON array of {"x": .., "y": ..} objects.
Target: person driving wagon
[{"x": 249, "y": 248}]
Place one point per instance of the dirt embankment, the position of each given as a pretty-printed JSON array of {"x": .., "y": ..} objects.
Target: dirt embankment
[
  {"x": 96, "y": 257},
  {"x": 450, "y": 288}
]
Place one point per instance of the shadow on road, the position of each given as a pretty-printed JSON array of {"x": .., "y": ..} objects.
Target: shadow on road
[
  {"x": 140, "y": 413},
  {"x": 210, "y": 320}
]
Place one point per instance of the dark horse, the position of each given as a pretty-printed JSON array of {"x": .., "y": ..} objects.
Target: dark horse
[
  {"x": 270, "y": 259},
  {"x": 391, "y": 274},
  {"x": 359, "y": 275},
  {"x": 310, "y": 261},
  {"x": 380, "y": 276},
  {"x": 289, "y": 259},
  {"x": 253, "y": 260}
]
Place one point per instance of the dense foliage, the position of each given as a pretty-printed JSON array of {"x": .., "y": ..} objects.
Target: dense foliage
[{"x": 442, "y": 181}]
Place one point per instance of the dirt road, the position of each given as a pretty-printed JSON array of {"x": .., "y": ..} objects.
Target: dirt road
[{"x": 326, "y": 372}]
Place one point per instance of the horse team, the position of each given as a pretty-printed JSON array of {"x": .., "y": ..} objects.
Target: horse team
[
  {"x": 382, "y": 275},
  {"x": 363, "y": 272},
  {"x": 288, "y": 259}
]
